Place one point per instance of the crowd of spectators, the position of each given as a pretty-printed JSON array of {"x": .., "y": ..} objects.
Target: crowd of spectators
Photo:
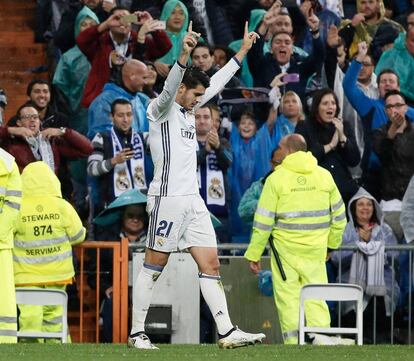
[{"x": 335, "y": 71}]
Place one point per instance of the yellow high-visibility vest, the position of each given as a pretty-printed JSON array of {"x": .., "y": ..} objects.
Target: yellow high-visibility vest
[{"x": 46, "y": 230}]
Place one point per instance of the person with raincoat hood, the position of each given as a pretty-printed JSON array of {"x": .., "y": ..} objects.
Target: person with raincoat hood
[
  {"x": 175, "y": 15},
  {"x": 46, "y": 231},
  {"x": 72, "y": 72},
  {"x": 70, "y": 77},
  {"x": 302, "y": 212},
  {"x": 370, "y": 17},
  {"x": 370, "y": 265},
  {"x": 401, "y": 60}
]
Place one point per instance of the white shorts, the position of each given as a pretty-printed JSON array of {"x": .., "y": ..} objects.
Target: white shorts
[{"x": 177, "y": 223}]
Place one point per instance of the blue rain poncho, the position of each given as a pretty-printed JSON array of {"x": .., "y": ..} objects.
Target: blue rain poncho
[{"x": 251, "y": 161}]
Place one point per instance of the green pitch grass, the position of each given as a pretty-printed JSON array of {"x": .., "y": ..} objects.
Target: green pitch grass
[{"x": 89, "y": 352}]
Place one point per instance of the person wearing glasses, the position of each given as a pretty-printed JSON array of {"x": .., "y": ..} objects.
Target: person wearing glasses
[
  {"x": 393, "y": 143},
  {"x": 29, "y": 143},
  {"x": 372, "y": 114}
]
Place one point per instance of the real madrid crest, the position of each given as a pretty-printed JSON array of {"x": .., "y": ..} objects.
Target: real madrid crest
[
  {"x": 122, "y": 182},
  {"x": 215, "y": 190},
  {"x": 139, "y": 176}
]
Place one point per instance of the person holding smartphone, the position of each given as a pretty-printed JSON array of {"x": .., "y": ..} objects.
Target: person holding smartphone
[{"x": 119, "y": 160}]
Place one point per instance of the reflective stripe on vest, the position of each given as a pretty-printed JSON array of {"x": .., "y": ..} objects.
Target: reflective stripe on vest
[
  {"x": 76, "y": 236},
  {"x": 300, "y": 214},
  {"x": 40, "y": 243},
  {"x": 303, "y": 226},
  {"x": 40, "y": 260}
]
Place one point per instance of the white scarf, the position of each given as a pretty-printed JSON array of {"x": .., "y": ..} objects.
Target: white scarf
[
  {"x": 131, "y": 173},
  {"x": 42, "y": 150},
  {"x": 367, "y": 267},
  {"x": 215, "y": 194}
]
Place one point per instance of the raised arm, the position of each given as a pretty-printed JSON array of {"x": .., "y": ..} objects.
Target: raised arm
[
  {"x": 163, "y": 102},
  {"x": 221, "y": 78},
  {"x": 360, "y": 102}
]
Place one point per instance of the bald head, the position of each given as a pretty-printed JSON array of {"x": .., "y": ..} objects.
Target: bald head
[
  {"x": 134, "y": 74},
  {"x": 295, "y": 143}
]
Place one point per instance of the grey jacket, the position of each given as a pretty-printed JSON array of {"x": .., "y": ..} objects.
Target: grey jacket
[{"x": 381, "y": 231}]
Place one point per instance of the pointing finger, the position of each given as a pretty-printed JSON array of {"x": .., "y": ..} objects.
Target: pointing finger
[{"x": 190, "y": 27}]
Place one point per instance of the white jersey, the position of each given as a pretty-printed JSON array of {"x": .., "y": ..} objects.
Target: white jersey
[{"x": 172, "y": 134}]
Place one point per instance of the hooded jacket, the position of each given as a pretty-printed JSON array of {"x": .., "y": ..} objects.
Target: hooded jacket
[
  {"x": 175, "y": 38},
  {"x": 402, "y": 62},
  {"x": 47, "y": 229},
  {"x": 380, "y": 232},
  {"x": 71, "y": 74},
  {"x": 300, "y": 206},
  {"x": 97, "y": 47}
]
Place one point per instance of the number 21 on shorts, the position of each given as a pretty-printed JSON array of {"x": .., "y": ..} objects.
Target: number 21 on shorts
[{"x": 164, "y": 229}]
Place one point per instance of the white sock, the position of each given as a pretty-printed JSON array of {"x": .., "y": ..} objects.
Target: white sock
[
  {"x": 213, "y": 293},
  {"x": 142, "y": 296}
]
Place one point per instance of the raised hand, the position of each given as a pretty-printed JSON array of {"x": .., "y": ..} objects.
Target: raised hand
[
  {"x": 191, "y": 39},
  {"x": 362, "y": 51},
  {"x": 249, "y": 38},
  {"x": 333, "y": 39},
  {"x": 277, "y": 80},
  {"x": 148, "y": 27},
  {"x": 358, "y": 19},
  {"x": 312, "y": 20}
]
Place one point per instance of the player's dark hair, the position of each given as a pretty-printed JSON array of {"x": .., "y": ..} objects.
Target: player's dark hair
[{"x": 194, "y": 77}]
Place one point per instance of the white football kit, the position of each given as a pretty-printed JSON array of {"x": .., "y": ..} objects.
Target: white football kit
[{"x": 179, "y": 218}]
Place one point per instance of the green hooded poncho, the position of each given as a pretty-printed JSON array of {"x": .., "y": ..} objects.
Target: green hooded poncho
[
  {"x": 176, "y": 38},
  {"x": 71, "y": 74}
]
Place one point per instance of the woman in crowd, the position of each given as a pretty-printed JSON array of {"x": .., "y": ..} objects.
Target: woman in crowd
[
  {"x": 331, "y": 141},
  {"x": 369, "y": 266}
]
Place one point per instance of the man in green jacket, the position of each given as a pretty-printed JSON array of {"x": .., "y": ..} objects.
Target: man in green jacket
[{"x": 301, "y": 208}]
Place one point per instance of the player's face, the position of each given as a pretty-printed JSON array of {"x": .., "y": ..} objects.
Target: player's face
[
  {"x": 203, "y": 121},
  {"x": 247, "y": 127},
  {"x": 122, "y": 117},
  {"x": 191, "y": 97},
  {"x": 40, "y": 95}
]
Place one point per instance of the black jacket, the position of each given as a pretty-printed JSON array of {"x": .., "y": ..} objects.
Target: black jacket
[
  {"x": 336, "y": 161},
  {"x": 264, "y": 67},
  {"x": 397, "y": 160}
]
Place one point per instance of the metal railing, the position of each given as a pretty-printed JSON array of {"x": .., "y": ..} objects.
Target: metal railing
[{"x": 232, "y": 249}]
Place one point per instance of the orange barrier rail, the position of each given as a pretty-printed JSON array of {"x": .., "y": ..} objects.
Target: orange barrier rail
[{"x": 120, "y": 288}]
